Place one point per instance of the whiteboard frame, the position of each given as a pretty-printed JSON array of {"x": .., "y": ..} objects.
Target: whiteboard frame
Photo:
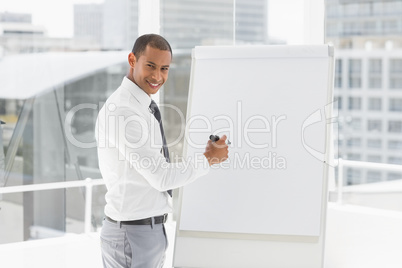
[{"x": 213, "y": 249}]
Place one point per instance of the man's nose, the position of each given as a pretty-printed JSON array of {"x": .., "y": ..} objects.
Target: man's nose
[{"x": 156, "y": 75}]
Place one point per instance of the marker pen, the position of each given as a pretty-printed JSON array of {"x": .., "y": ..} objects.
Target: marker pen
[{"x": 215, "y": 138}]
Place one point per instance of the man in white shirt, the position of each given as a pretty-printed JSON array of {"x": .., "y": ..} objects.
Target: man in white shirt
[{"x": 137, "y": 174}]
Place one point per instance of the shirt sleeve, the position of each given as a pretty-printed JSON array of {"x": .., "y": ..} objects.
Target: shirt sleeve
[{"x": 138, "y": 141}]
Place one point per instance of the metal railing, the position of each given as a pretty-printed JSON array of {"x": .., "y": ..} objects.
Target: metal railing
[
  {"x": 359, "y": 164},
  {"x": 87, "y": 183}
]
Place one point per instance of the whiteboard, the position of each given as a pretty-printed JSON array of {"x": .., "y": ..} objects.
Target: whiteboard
[{"x": 274, "y": 103}]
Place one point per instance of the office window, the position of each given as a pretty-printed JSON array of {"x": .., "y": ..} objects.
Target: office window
[
  {"x": 375, "y": 73},
  {"x": 354, "y": 142},
  {"x": 374, "y": 143},
  {"x": 363, "y": 9},
  {"x": 374, "y": 125},
  {"x": 395, "y": 105},
  {"x": 351, "y": 10},
  {"x": 369, "y": 27},
  {"x": 389, "y": 26},
  {"x": 355, "y": 103},
  {"x": 355, "y": 69},
  {"x": 377, "y": 8},
  {"x": 338, "y": 73},
  {"x": 374, "y": 158},
  {"x": 397, "y": 160},
  {"x": 353, "y": 176},
  {"x": 395, "y": 144},
  {"x": 395, "y": 126},
  {"x": 355, "y": 66},
  {"x": 374, "y": 104},
  {"x": 375, "y": 66},
  {"x": 395, "y": 73},
  {"x": 350, "y": 27},
  {"x": 354, "y": 156},
  {"x": 374, "y": 176},
  {"x": 395, "y": 82},
  {"x": 394, "y": 176},
  {"x": 356, "y": 124},
  {"x": 391, "y": 7}
]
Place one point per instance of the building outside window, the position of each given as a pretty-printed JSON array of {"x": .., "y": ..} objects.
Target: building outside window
[
  {"x": 368, "y": 40},
  {"x": 338, "y": 74},
  {"x": 354, "y": 156},
  {"x": 397, "y": 160},
  {"x": 374, "y": 125},
  {"x": 394, "y": 176},
  {"x": 395, "y": 126},
  {"x": 375, "y": 73},
  {"x": 375, "y": 104},
  {"x": 355, "y": 103},
  {"x": 395, "y": 145},
  {"x": 395, "y": 105},
  {"x": 353, "y": 176},
  {"x": 374, "y": 143},
  {"x": 356, "y": 124},
  {"x": 354, "y": 142},
  {"x": 374, "y": 158},
  {"x": 395, "y": 73},
  {"x": 355, "y": 73},
  {"x": 374, "y": 176}
]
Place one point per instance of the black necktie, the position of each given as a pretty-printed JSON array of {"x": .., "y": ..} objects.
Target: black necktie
[{"x": 157, "y": 113}]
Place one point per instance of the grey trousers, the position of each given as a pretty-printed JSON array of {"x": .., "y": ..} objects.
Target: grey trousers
[{"x": 133, "y": 246}]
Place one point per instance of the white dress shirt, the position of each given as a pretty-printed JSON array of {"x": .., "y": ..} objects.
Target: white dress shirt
[{"x": 131, "y": 161}]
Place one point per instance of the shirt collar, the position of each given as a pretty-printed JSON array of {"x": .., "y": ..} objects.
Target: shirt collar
[{"x": 142, "y": 97}]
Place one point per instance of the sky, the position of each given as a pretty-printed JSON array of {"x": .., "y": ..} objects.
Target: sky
[
  {"x": 285, "y": 18},
  {"x": 55, "y": 15}
]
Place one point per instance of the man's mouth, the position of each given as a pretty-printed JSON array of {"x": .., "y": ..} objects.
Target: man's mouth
[{"x": 153, "y": 85}]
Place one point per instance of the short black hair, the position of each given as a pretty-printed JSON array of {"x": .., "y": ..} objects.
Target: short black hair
[{"x": 153, "y": 40}]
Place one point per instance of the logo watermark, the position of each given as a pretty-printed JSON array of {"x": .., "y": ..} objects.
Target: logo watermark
[{"x": 127, "y": 130}]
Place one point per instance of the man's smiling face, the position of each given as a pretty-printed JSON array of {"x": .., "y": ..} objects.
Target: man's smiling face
[{"x": 151, "y": 69}]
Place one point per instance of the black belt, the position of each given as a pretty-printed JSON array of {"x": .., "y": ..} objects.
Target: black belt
[{"x": 147, "y": 221}]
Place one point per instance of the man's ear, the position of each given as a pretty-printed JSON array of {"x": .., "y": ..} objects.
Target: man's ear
[{"x": 132, "y": 60}]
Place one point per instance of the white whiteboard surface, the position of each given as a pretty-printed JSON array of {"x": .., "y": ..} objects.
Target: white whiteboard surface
[{"x": 275, "y": 192}]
